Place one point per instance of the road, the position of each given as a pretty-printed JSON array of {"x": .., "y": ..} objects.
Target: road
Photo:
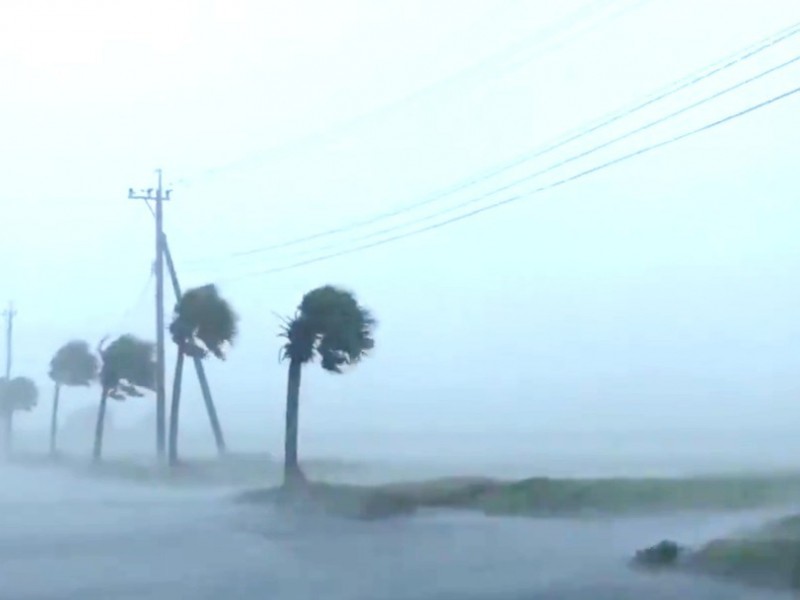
[{"x": 63, "y": 538}]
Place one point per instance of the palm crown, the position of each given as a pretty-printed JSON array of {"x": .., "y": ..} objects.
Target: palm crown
[
  {"x": 202, "y": 315},
  {"x": 74, "y": 365},
  {"x": 331, "y": 324},
  {"x": 19, "y": 393},
  {"x": 128, "y": 364}
]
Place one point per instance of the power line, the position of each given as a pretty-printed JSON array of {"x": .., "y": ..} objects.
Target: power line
[
  {"x": 573, "y": 158},
  {"x": 669, "y": 90},
  {"x": 528, "y": 194},
  {"x": 139, "y": 299}
]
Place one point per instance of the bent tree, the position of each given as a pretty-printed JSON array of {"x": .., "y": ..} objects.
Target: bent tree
[
  {"x": 330, "y": 324},
  {"x": 203, "y": 323},
  {"x": 73, "y": 365},
  {"x": 128, "y": 364},
  {"x": 16, "y": 394}
]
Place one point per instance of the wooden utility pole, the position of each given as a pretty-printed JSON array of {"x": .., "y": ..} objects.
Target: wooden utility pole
[
  {"x": 198, "y": 362},
  {"x": 7, "y": 416},
  {"x": 9, "y": 315},
  {"x": 158, "y": 197}
]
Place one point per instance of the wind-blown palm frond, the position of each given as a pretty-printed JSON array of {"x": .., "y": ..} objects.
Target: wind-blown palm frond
[
  {"x": 74, "y": 364},
  {"x": 300, "y": 338},
  {"x": 203, "y": 315}
]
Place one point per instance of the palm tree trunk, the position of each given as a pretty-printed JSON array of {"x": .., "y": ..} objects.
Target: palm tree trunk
[
  {"x": 8, "y": 433},
  {"x": 98, "y": 430},
  {"x": 54, "y": 421},
  {"x": 291, "y": 468},
  {"x": 175, "y": 410}
]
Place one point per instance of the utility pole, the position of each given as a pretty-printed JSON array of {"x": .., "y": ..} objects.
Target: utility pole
[
  {"x": 9, "y": 315},
  {"x": 216, "y": 428},
  {"x": 158, "y": 198}
]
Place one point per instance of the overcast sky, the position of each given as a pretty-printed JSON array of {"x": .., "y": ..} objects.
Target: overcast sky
[{"x": 662, "y": 292}]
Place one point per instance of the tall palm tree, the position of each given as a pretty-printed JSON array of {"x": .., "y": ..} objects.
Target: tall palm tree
[
  {"x": 128, "y": 364},
  {"x": 72, "y": 365},
  {"x": 329, "y": 323},
  {"x": 203, "y": 322},
  {"x": 17, "y": 394}
]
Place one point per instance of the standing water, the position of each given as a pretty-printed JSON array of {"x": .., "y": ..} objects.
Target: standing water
[{"x": 66, "y": 538}]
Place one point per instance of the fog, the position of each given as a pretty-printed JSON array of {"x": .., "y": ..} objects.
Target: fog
[
  {"x": 637, "y": 321},
  {"x": 658, "y": 294}
]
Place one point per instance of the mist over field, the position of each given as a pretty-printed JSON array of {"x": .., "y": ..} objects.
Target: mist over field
[{"x": 411, "y": 455}]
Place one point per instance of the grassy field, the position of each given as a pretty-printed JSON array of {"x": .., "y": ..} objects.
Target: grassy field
[{"x": 542, "y": 497}]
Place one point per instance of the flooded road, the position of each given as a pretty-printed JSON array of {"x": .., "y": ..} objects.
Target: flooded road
[{"x": 76, "y": 539}]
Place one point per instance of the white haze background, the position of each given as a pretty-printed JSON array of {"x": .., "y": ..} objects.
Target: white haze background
[{"x": 648, "y": 312}]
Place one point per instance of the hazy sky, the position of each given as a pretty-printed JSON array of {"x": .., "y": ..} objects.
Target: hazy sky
[{"x": 663, "y": 292}]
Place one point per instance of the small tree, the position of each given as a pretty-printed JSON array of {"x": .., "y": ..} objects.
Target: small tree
[
  {"x": 17, "y": 394},
  {"x": 331, "y": 324},
  {"x": 73, "y": 365},
  {"x": 203, "y": 322},
  {"x": 128, "y": 364}
]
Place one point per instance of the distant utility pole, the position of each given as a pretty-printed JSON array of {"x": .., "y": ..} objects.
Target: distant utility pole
[
  {"x": 9, "y": 315},
  {"x": 157, "y": 196}
]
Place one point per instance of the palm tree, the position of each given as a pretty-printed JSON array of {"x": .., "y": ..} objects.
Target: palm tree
[
  {"x": 73, "y": 365},
  {"x": 17, "y": 394},
  {"x": 128, "y": 364},
  {"x": 331, "y": 324},
  {"x": 203, "y": 322}
]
